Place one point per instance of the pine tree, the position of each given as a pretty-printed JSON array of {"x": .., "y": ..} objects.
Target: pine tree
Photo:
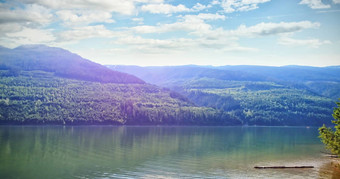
[{"x": 329, "y": 137}]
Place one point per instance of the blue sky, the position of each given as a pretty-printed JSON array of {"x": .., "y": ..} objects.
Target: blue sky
[{"x": 171, "y": 32}]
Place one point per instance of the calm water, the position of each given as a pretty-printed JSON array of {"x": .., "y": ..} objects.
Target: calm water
[{"x": 159, "y": 152}]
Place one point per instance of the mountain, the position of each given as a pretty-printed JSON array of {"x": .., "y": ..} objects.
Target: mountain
[
  {"x": 258, "y": 95},
  {"x": 45, "y": 85},
  {"x": 164, "y": 75},
  {"x": 291, "y": 73},
  {"x": 324, "y": 81},
  {"x": 3, "y": 48},
  {"x": 61, "y": 62}
]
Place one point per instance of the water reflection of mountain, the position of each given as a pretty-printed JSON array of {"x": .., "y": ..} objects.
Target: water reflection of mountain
[{"x": 106, "y": 151}]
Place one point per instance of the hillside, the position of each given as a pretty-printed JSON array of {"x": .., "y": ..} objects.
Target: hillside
[
  {"x": 324, "y": 81},
  {"x": 256, "y": 95},
  {"x": 61, "y": 62},
  {"x": 44, "y": 85},
  {"x": 164, "y": 75},
  {"x": 37, "y": 97}
]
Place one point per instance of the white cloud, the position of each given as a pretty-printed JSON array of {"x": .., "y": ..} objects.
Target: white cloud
[
  {"x": 206, "y": 36},
  {"x": 230, "y": 6},
  {"x": 187, "y": 23},
  {"x": 200, "y": 7},
  {"x": 144, "y": 29},
  {"x": 215, "y": 38},
  {"x": 206, "y": 16},
  {"x": 28, "y": 36},
  {"x": 119, "y": 6},
  {"x": 314, "y": 43},
  {"x": 30, "y": 14},
  {"x": 215, "y": 2},
  {"x": 82, "y": 17},
  {"x": 170, "y": 9},
  {"x": 142, "y": 43},
  {"x": 336, "y": 1},
  {"x": 316, "y": 4},
  {"x": 10, "y": 27},
  {"x": 258, "y": 30},
  {"x": 265, "y": 29},
  {"x": 164, "y": 8},
  {"x": 79, "y": 33},
  {"x": 139, "y": 20},
  {"x": 149, "y": 1},
  {"x": 137, "y": 43},
  {"x": 15, "y": 19},
  {"x": 78, "y": 12}
]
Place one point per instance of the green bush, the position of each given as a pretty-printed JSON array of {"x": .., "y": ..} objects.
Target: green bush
[{"x": 329, "y": 137}]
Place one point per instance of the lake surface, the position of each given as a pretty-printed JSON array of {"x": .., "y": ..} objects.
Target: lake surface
[{"x": 159, "y": 152}]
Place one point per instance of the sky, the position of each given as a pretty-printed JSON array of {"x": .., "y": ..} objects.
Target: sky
[{"x": 171, "y": 32}]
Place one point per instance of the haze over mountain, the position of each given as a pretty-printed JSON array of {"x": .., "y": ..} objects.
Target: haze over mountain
[
  {"x": 61, "y": 62},
  {"x": 324, "y": 81}
]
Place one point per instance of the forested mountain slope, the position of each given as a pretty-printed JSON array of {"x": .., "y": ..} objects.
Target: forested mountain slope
[
  {"x": 37, "y": 97},
  {"x": 257, "y": 95},
  {"x": 44, "y": 85}
]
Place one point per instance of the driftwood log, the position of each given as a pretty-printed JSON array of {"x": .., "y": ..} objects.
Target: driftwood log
[{"x": 281, "y": 167}]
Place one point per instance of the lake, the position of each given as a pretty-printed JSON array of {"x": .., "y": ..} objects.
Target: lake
[{"x": 159, "y": 152}]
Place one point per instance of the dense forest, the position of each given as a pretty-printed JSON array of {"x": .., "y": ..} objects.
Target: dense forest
[
  {"x": 264, "y": 103},
  {"x": 291, "y": 95},
  {"x": 46, "y": 85},
  {"x": 38, "y": 97}
]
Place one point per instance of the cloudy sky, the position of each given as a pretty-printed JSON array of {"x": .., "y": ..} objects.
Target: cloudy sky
[{"x": 171, "y": 32}]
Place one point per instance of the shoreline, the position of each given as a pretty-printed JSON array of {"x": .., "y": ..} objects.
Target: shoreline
[
  {"x": 15, "y": 123},
  {"x": 331, "y": 169}
]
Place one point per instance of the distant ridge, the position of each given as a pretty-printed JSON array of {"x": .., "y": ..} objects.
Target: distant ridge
[
  {"x": 322, "y": 80},
  {"x": 3, "y": 48},
  {"x": 291, "y": 73},
  {"x": 161, "y": 75},
  {"x": 62, "y": 62}
]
